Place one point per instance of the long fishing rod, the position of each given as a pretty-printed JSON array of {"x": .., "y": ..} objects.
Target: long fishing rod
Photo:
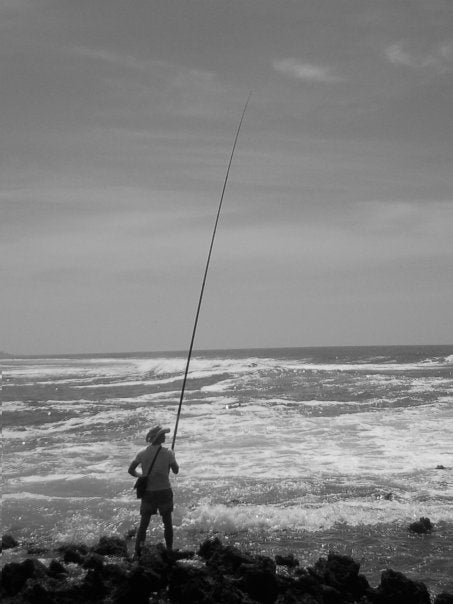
[{"x": 189, "y": 356}]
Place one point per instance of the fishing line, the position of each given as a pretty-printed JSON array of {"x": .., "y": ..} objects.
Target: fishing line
[{"x": 189, "y": 356}]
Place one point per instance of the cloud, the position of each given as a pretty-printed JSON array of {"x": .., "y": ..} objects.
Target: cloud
[
  {"x": 439, "y": 59},
  {"x": 298, "y": 70},
  {"x": 108, "y": 56},
  {"x": 397, "y": 56}
]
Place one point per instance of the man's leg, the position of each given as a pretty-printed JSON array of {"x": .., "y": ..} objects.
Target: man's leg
[
  {"x": 168, "y": 530},
  {"x": 141, "y": 533}
]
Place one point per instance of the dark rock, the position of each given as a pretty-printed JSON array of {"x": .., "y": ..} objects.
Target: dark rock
[
  {"x": 94, "y": 587},
  {"x": 56, "y": 569},
  {"x": 395, "y": 588},
  {"x": 73, "y": 552},
  {"x": 209, "y": 547},
  {"x": 93, "y": 561},
  {"x": 444, "y": 598},
  {"x": 70, "y": 594},
  {"x": 188, "y": 585},
  {"x": 290, "y": 561},
  {"x": 8, "y": 542},
  {"x": 15, "y": 575},
  {"x": 72, "y": 555},
  {"x": 424, "y": 525},
  {"x": 295, "y": 597},
  {"x": 114, "y": 573},
  {"x": 226, "y": 558},
  {"x": 228, "y": 576},
  {"x": 440, "y": 467},
  {"x": 80, "y": 547},
  {"x": 305, "y": 587},
  {"x": 111, "y": 546},
  {"x": 258, "y": 579},
  {"x": 226, "y": 592},
  {"x": 156, "y": 560},
  {"x": 330, "y": 595},
  {"x": 341, "y": 573},
  {"x": 13, "y": 578},
  {"x": 180, "y": 554},
  {"x": 37, "y": 594},
  {"x": 388, "y": 496},
  {"x": 137, "y": 587}
]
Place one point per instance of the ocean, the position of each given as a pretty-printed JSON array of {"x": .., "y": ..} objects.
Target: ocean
[{"x": 307, "y": 450}]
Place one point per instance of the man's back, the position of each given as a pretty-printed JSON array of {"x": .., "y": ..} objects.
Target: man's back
[{"x": 158, "y": 479}]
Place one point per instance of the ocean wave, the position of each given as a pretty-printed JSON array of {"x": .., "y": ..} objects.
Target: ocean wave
[{"x": 231, "y": 519}]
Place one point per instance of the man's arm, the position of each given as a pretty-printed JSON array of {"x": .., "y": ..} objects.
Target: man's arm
[
  {"x": 174, "y": 465},
  {"x": 132, "y": 467}
]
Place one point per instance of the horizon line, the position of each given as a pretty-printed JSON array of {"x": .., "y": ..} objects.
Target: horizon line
[{"x": 7, "y": 355}]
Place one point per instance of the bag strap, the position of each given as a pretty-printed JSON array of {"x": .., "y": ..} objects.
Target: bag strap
[{"x": 155, "y": 457}]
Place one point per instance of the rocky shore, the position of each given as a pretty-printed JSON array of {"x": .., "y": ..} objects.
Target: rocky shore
[{"x": 214, "y": 574}]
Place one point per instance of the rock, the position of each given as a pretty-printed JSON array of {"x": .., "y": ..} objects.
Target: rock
[
  {"x": 115, "y": 573},
  {"x": 226, "y": 558},
  {"x": 137, "y": 587},
  {"x": 156, "y": 559},
  {"x": 111, "y": 546},
  {"x": 306, "y": 589},
  {"x": 341, "y": 573},
  {"x": 440, "y": 467},
  {"x": 180, "y": 554},
  {"x": 15, "y": 575},
  {"x": 294, "y": 597},
  {"x": 225, "y": 575},
  {"x": 423, "y": 525},
  {"x": 70, "y": 593},
  {"x": 444, "y": 598},
  {"x": 209, "y": 547},
  {"x": 395, "y": 588},
  {"x": 13, "y": 578},
  {"x": 72, "y": 555},
  {"x": 188, "y": 584},
  {"x": 8, "y": 542},
  {"x": 258, "y": 580},
  {"x": 56, "y": 569},
  {"x": 73, "y": 552},
  {"x": 37, "y": 594},
  {"x": 94, "y": 587},
  {"x": 290, "y": 561},
  {"x": 94, "y": 562}
]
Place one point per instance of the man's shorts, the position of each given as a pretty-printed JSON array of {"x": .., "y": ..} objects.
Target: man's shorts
[{"x": 152, "y": 501}]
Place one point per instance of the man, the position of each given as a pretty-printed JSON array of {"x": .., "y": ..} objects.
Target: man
[{"x": 158, "y": 495}]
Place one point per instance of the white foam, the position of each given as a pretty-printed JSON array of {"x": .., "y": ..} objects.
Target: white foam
[{"x": 230, "y": 519}]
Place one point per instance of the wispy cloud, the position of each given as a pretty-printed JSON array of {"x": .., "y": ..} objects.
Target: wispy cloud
[
  {"x": 440, "y": 58},
  {"x": 108, "y": 56},
  {"x": 299, "y": 70}
]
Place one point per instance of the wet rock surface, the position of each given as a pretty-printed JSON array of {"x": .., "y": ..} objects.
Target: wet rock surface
[
  {"x": 8, "y": 542},
  {"x": 215, "y": 574},
  {"x": 424, "y": 525}
]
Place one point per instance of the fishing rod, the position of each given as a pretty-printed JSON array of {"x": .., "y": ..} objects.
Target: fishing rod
[{"x": 189, "y": 356}]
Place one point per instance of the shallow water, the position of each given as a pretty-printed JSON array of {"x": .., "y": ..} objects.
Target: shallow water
[{"x": 290, "y": 449}]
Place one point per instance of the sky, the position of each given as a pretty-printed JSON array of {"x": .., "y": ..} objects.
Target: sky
[{"x": 118, "y": 119}]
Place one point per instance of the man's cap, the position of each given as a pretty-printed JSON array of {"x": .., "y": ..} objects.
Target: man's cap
[{"x": 155, "y": 432}]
